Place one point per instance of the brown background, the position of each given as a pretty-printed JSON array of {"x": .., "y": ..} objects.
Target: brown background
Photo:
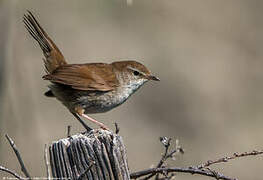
[{"x": 208, "y": 55}]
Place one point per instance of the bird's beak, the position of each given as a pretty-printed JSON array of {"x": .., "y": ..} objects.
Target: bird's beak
[{"x": 154, "y": 78}]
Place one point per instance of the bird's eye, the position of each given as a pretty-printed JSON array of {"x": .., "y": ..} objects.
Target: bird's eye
[{"x": 136, "y": 73}]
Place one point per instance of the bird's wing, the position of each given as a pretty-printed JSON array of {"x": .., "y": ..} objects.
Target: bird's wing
[{"x": 92, "y": 77}]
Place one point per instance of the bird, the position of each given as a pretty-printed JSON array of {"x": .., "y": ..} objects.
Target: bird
[{"x": 86, "y": 88}]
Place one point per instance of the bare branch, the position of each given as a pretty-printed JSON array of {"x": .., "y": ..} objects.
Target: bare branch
[
  {"x": 164, "y": 171},
  {"x": 227, "y": 158},
  {"x": 69, "y": 129},
  {"x": 47, "y": 162},
  {"x": 189, "y": 170},
  {"x": 202, "y": 169},
  {"x": 166, "y": 142},
  {"x": 11, "y": 172},
  {"x": 117, "y": 129},
  {"x": 23, "y": 168}
]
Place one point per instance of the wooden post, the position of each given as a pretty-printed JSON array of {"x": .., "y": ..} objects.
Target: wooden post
[{"x": 96, "y": 155}]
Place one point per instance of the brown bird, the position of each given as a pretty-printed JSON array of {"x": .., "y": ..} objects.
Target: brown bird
[{"x": 86, "y": 88}]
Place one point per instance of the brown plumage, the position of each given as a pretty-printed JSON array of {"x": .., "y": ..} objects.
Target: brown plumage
[
  {"x": 86, "y": 88},
  {"x": 53, "y": 56},
  {"x": 94, "y": 76}
]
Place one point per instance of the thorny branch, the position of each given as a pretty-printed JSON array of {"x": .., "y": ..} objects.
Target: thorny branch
[
  {"x": 202, "y": 169},
  {"x": 166, "y": 142},
  {"x": 23, "y": 168},
  {"x": 189, "y": 170},
  {"x": 227, "y": 158}
]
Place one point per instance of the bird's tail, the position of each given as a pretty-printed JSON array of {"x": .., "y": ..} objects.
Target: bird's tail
[{"x": 53, "y": 56}]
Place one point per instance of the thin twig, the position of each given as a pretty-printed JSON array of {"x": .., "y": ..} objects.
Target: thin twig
[
  {"x": 189, "y": 170},
  {"x": 214, "y": 172},
  {"x": 227, "y": 158},
  {"x": 117, "y": 129},
  {"x": 202, "y": 169},
  {"x": 166, "y": 142},
  {"x": 88, "y": 168},
  {"x": 148, "y": 177},
  {"x": 23, "y": 168},
  {"x": 47, "y": 162},
  {"x": 69, "y": 130},
  {"x": 11, "y": 172},
  {"x": 160, "y": 169}
]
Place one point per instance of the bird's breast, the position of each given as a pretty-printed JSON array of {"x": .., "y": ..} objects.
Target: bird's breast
[
  {"x": 92, "y": 101},
  {"x": 98, "y": 102}
]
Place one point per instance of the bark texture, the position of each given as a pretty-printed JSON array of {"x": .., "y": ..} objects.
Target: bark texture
[{"x": 95, "y": 155}]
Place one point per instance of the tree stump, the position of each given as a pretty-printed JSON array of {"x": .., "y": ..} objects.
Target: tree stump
[{"x": 96, "y": 155}]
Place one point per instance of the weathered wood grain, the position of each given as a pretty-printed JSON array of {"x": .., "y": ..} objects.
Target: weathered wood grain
[{"x": 97, "y": 155}]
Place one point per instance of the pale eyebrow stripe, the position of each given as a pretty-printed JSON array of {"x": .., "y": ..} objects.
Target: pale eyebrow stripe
[{"x": 134, "y": 69}]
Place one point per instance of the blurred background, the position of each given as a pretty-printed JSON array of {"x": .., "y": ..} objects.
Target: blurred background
[{"x": 208, "y": 55}]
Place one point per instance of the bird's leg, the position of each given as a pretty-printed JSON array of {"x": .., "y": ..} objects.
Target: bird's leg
[
  {"x": 80, "y": 112},
  {"x": 82, "y": 122},
  {"x": 96, "y": 122}
]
